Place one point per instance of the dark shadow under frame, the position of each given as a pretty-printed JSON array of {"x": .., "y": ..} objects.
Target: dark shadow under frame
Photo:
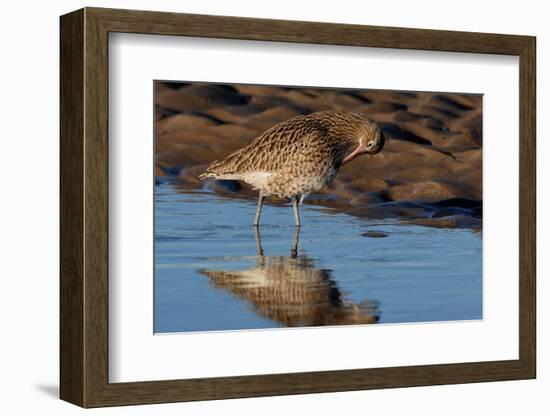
[{"x": 84, "y": 207}]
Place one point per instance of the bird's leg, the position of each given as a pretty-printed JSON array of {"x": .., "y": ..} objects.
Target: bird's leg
[
  {"x": 296, "y": 213},
  {"x": 294, "y": 249},
  {"x": 258, "y": 242},
  {"x": 259, "y": 209}
]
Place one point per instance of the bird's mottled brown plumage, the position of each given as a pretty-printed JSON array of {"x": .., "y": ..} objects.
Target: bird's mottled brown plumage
[{"x": 299, "y": 156}]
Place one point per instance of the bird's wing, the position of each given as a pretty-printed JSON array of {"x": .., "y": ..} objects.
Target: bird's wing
[
  {"x": 277, "y": 150},
  {"x": 273, "y": 149},
  {"x": 307, "y": 166}
]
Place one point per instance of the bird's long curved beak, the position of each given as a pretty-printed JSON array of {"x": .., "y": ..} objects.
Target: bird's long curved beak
[{"x": 357, "y": 152}]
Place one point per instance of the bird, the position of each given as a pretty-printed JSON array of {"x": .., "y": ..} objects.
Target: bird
[{"x": 299, "y": 156}]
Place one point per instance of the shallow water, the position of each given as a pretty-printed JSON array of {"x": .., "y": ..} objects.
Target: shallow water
[{"x": 214, "y": 272}]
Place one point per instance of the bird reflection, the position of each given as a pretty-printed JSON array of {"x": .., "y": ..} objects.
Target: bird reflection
[{"x": 292, "y": 291}]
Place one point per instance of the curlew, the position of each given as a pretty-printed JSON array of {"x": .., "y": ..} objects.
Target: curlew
[{"x": 299, "y": 156}]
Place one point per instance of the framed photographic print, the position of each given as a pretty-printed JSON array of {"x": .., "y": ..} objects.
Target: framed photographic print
[{"x": 256, "y": 207}]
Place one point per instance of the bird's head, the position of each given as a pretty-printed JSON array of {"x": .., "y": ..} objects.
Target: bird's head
[{"x": 369, "y": 138}]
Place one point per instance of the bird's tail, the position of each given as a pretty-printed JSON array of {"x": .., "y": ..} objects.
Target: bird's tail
[
  {"x": 223, "y": 168},
  {"x": 216, "y": 170},
  {"x": 206, "y": 174}
]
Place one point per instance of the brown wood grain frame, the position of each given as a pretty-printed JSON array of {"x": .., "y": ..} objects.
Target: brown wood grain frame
[{"x": 84, "y": 212}]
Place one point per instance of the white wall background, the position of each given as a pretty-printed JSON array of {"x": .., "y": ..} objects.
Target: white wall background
[{"x": 29, "y": 160}]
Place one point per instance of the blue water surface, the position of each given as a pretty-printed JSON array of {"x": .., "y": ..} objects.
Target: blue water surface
[{"x": 214, "y": 272}]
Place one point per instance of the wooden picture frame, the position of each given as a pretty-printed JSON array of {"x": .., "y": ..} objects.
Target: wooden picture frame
[{"x": 84, "y": 207}]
